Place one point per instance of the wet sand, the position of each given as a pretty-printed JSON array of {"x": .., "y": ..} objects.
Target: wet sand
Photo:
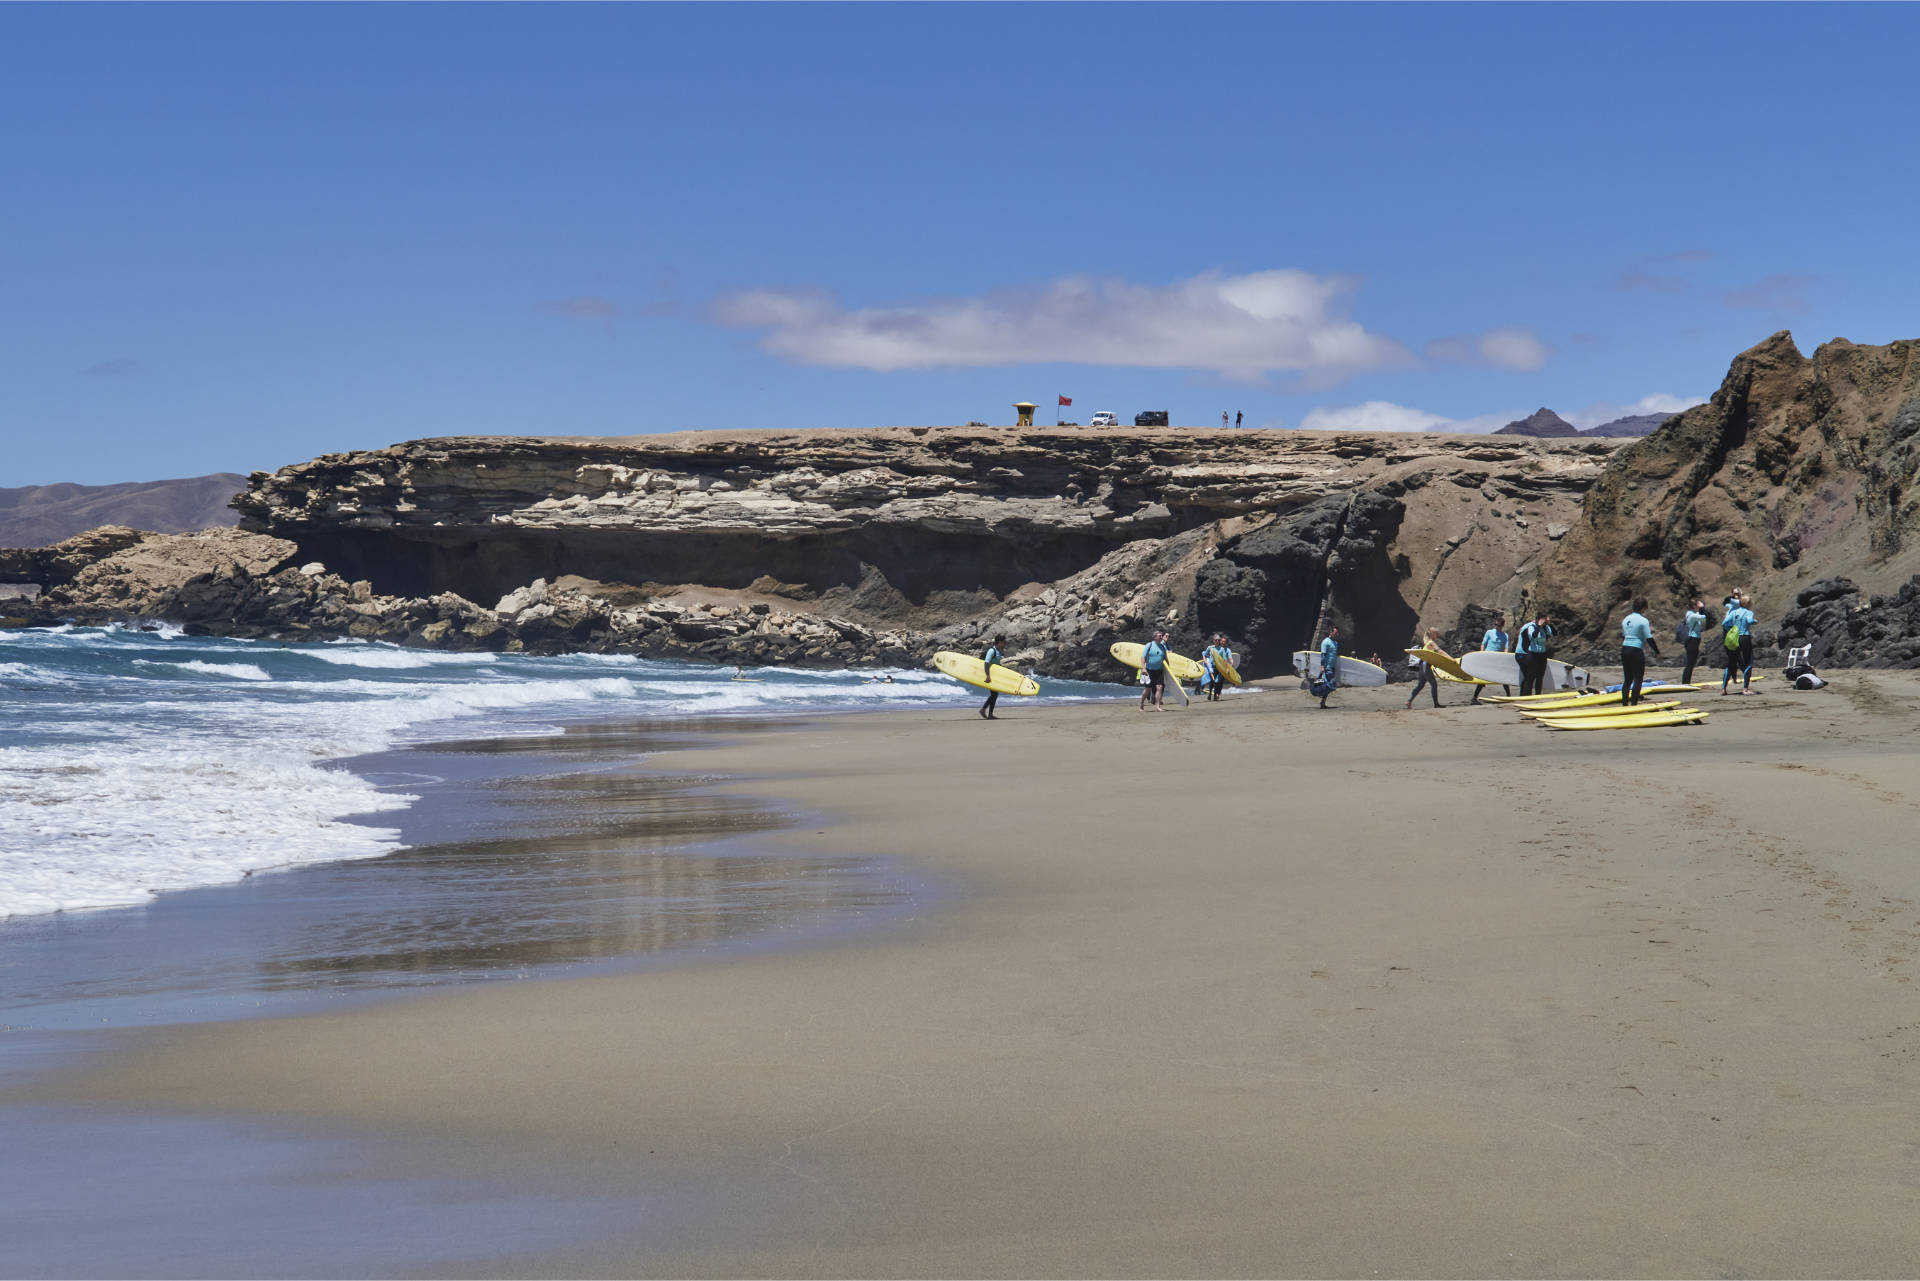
[{"x": 1244, "y": 989}]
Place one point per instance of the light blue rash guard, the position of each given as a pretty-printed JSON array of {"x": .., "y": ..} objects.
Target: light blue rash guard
[
  {"x": 1742, "y": 617},
  {"x": 1495, "y": 640},
  {"x": 1330, "y": 661},
  {"x": 1635, "y": 631},
  {"x": 1535, "y": 638},
  {"x": 1154, "y": 657},
  {"x": 991, "y": 657},
  {"x": 1695, "y": 621}
]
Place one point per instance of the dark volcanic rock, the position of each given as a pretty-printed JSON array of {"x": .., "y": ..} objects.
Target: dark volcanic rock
[
  {"x": 1799, "y": 469},
  {"x": 1829, "y": 616}
]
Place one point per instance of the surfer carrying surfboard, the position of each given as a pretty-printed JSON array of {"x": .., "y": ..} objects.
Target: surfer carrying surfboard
[
  {"x": 1153, "y": 665},
  {"x": 1216, "y": 657},
  {"x": 1427, "y": 679},
  {"x": 987, "y": 660}
]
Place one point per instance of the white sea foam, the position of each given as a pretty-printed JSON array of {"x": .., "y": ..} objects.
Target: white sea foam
[
  {"x": 133, "y": 763},
  {"x": 393, "y": 658}
]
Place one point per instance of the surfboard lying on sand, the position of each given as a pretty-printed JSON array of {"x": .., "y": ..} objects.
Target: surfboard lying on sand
[
  {"x": 1445, "y": 666},
  {"x": 1640, "y": 719},
  {"x": 1306, "y": 662},
  {"x": 1499, "y": 668},
  {"x": 1134, "y": 655},
  {"x": 1612, "y": 707},
  {"x": 967, "y": 668}
]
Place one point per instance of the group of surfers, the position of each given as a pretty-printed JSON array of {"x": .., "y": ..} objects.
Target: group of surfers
[{"x": 1533, "y": 646}]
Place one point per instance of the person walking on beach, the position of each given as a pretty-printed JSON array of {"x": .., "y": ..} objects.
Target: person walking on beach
[
  {"x": 1495, "y": 638},
  {"x": 989, "y": 658},
  {"x": 1217, "y": 654},
  {"x": 1690, "y": 627},
  {"x": 1329, "y": 664},
  {"x": 1427, "y": 680},
  {"x": 1153, "y": 664},
  {"x": 1636, "y": 638},
  {"x": 1531, "y": 648},
  {"x": 1738, "y": 642}
]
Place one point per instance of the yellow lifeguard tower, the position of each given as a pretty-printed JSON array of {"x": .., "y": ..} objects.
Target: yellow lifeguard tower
[{"x": 1025, "y": 409}]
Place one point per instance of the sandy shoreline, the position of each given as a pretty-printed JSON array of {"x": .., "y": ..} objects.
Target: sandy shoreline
[{"x": 1247, "y": 989}]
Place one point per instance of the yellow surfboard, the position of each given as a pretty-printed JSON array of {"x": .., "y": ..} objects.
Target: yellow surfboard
[
  {"x": 967, "y": 668},
  {"x": 1614, "y": 708},
  {"x": 1134, "y": 655},
  {"x": 1446, "y": 666},
  {"x": 1638, "y": 719},
  {"x": 1227, "y": 670}
]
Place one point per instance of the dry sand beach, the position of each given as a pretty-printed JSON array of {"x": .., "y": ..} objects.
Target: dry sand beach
[{"x": 1246, "y": 989}]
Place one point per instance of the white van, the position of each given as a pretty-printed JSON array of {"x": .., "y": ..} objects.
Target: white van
[{"x": 1104, "y": 418}]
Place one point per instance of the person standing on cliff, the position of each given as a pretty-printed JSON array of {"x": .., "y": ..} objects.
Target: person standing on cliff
[
  {"x": 1738, "y": 642},
  {"x": 1531, "y": 648},
  {"x": 1224, "y": 420},
  {"x": 1496, "y": 640},
  {"x": 1636, "y": 638},
  {"x": 1329, "y": 664},
  {"x": 1153, "y": 665},
  {"x": 989, "y": 658},
  {"x": 1695, "y": 622},
  {"x": 1239, "y": 416}
]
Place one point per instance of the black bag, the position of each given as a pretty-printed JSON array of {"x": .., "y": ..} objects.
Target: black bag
[
  {"x": 1680, "y": 636},
  {"x": 1320, "y": 689}
]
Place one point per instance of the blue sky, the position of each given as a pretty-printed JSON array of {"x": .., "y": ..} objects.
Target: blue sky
[{"x": 233, "y": 237}]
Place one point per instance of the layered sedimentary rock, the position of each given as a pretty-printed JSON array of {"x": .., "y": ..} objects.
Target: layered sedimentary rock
[
  {"x": 1799, "y": 469},
  {"x": 1063, "y": 540}
]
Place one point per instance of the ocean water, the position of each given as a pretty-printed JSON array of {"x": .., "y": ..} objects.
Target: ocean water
[{"x": 133, "y": 763}]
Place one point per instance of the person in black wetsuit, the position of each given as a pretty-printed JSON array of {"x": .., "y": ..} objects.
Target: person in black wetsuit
[{"x": 989, "y": 658}]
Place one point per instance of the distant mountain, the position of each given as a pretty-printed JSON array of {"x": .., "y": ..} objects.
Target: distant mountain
[
  {"x": 1541, "y": 422},
  {"x": 1544, "y": 422},
  {"x": 42, "y": 514},
  {"x": 1631, "y": 425}
]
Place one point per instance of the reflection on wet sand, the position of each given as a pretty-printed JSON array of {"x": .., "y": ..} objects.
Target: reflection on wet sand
[{"x": 523, "y": 852}]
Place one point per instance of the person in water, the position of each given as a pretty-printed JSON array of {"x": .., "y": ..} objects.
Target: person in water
[
  {"x": 1329, "y": 663},
  {"x": 1217, "y": 655},
  {"x": 1428, "y": 680},
  {"x": 988, "y": 659},
  {"x": 1531, "y": 648},
  {"x": 1738, "y": 623},
  {"x": 1636, "y": 638},
  {"x": 1496, "y": 640},
  {"x": 1696, "y": 621},
  {"x": 1153, "y": 665}
]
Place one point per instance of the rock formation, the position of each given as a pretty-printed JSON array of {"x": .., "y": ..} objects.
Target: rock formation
[
  {"x": 871, "y": 546},
  {"x": 1799, "y": 469},
  {"x": 1542, "y": 423}
]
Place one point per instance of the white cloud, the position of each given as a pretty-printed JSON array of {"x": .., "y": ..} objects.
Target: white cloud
[
  {"x": 1502, "y": 348},
  {"x": 1383, "y": 415},
  {"x": 1657, "y": 403},
  {"x": 1241, "y": 326}
]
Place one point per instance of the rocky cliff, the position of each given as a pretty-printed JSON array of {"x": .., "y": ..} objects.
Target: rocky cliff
[
  {"x": 845, "y": 546},
  {"x": 1799, "y": 469}
]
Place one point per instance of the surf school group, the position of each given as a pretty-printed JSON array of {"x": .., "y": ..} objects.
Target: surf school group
[{"x": 1524, "y": 658}]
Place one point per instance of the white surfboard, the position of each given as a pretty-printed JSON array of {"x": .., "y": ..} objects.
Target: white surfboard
[
  {"x": 1306, "y": 662},
  {"x": 1504, "y": 669}
]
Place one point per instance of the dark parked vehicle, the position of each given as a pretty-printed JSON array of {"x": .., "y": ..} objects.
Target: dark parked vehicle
[{"x": 1150, "y": 418}]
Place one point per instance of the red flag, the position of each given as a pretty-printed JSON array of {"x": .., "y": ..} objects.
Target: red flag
[{"x": 1066, "y": 400}]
